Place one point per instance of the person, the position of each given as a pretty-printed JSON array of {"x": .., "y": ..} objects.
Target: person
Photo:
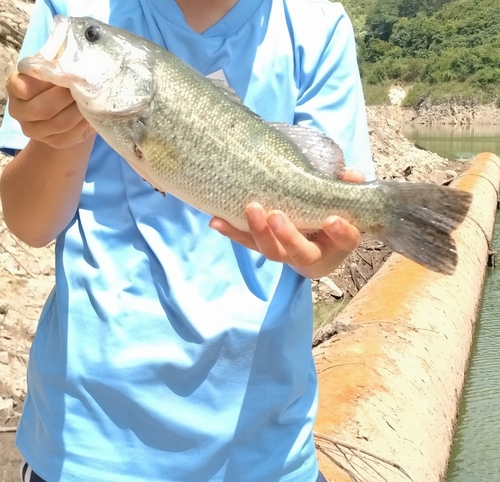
[{"x": 173, "y": 346}]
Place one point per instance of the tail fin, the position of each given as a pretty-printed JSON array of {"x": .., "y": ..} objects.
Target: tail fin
[{"x": 422, "y": 218}]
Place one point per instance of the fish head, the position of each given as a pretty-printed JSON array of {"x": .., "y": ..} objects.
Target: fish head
[{"x": 107, "y": 70}]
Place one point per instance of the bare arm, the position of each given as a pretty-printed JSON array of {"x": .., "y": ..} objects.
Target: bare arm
[{"x": 41, "y": 186}]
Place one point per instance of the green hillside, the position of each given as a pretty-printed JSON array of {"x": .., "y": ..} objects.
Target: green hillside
[{"x": 443, "y": 49}]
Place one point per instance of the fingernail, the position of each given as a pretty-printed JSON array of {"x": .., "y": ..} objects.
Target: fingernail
[
  {"x": 333, "y": 226},
  {"x": 214, "y": 224},
  {"x": 275, "y": 221},
  {"x": 253, "y": 213}
]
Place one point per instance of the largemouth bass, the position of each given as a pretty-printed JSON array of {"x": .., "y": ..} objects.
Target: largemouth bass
[{"x": 193, "y": 138}]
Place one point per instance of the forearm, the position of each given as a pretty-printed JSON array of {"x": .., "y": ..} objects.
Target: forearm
[{"x": 40, "y": 189}]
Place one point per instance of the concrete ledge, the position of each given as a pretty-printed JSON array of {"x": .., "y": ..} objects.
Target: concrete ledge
[{"x": 390, "y": 380}]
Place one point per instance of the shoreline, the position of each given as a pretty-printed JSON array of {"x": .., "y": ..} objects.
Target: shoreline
[
  {"x": 446, "y": 113},
  {"x": 397, "y": 157}
]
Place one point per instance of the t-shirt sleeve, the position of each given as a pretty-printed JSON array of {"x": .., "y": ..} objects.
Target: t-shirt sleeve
[
  {"x": 331, "y": 96},
  {"x": 11, "y": 135}
]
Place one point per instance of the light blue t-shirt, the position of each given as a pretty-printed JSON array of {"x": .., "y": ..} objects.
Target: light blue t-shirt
[{"x": 167, "y": 352}]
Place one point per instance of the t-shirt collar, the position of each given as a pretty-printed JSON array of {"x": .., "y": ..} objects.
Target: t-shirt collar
[{"x": 226, "y": 26}]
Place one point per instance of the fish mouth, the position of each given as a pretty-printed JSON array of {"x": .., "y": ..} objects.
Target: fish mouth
[
  {"x": 44, "y": 65},
  {"x": 58, "y": 39}
]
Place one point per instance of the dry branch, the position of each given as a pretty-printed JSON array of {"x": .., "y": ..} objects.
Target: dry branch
[{"x": 326, "y": 445}]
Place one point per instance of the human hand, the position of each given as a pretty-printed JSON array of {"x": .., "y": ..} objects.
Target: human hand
[
  {"x": 274, "y": 235},
  {"x": 46, "y": 112}
]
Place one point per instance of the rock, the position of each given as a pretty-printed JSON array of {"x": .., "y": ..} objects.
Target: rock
[
  {"x": 6, "y": 404},
  {"x": 46, "y": 269},
  {"x": 396, "y": 95},
  {"x": 23, "y": 358},
  {"x": 32, "y": 327},
  {"x": 10, "y": 265},
  {"x": 454, "y": 113},
  {"x": 4, "y": 307},
  {"x": 4, "y": 357},
  {"x": 328, "y": 287},
  {"x": 442, "y": 177}
]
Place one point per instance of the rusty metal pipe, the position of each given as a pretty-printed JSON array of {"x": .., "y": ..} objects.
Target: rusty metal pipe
[{"x": 390, "y": 381}]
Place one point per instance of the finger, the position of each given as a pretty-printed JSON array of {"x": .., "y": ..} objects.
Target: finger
[
  {"x": 25, "y": 87},
  {"x": 44, "y": 106},
  {"x": 261, "y": 232},
  {"x": 63, "y": 121},
  {"x": 352, "y": 175},
  {"x": 241, "y": 237},
  {"x": 298, "y": 249},
  {"x": 75, "y": 136},
  {"x": 344, "y": 235}
]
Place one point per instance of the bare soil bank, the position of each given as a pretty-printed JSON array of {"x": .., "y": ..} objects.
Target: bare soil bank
[{"x": 448, "y": 113}]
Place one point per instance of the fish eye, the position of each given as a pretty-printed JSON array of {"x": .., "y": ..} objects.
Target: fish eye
[{"x": 93, "y": 33}]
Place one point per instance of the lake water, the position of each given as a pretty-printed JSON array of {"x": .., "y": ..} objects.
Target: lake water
[
  {"x": 476, "y": 449},
  {"x": 456, "y": 142}
]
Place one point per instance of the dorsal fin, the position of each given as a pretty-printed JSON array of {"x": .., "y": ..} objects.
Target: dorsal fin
[
  {"x": 322, "y": 153},
  {"x": 220, "y": 84},
  {"x": 231, "y": 94}
]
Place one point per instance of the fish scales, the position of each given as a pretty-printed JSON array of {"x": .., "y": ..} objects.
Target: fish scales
[
  {"x": 192, "y": 138},
  {"x": 226, "y": 132}
]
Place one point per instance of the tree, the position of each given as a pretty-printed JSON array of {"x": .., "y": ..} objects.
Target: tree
[{"x": 380, "y": 21}]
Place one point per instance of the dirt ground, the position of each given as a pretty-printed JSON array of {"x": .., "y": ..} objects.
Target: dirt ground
[{"x": 27, "y": 274}]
